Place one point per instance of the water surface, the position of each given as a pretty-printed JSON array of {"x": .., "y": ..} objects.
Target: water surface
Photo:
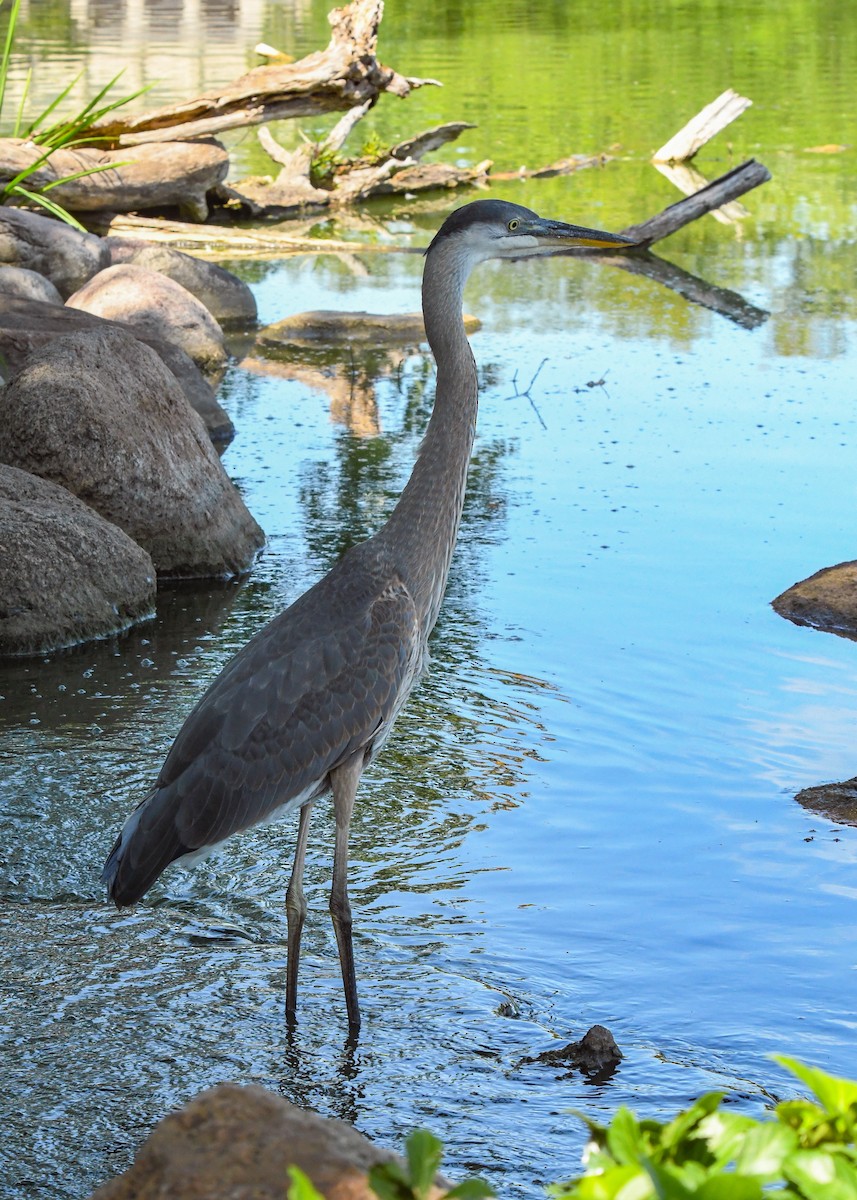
[{"x": 586, "y": 813}]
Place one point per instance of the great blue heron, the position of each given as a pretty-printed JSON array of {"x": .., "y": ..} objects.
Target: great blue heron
[{"x": 308, "y": 702}]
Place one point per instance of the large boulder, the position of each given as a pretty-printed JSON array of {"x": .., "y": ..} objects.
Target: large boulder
[
  {"x": 62, "y": 253},
  {"x": 28, "y": 285},
  {"x": 227, "y": 298},
  {"x": 66, "y": 574},
  {"x": 27, "y": 325},
  {"x": 156, "y": 306},
  {"x": 98, "y": 413},
  {"x": 237, "y": 1143}
]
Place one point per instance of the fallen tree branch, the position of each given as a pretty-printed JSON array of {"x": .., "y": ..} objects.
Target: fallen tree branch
[
  {"x": 703, "y": 127},
  {"x": 722, "y": 301},
  {"x": 728, "y": 187},
  {"x": 342, "y": 76},
  {"x": 690, "y": 181}
]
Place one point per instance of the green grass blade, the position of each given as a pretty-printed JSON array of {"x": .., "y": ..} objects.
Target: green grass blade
[
  {"x": 7, "y": 50},
  {"x": 19, "y": 116},
  {"x": 96, "y": 170},
  {"x": 34, "y": 125},
  {"x": 50, "y": 206}
]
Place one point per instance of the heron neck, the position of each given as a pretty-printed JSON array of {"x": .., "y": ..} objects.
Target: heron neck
[{"x": 423, "y": 527}]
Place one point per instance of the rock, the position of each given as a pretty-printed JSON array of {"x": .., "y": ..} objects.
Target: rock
[
  {"x": 341, "y": 328},
  {"x": 826, "y": 600},
  {"x": 27, "y": 285},
  {"x": 60, "y": 252},
  {"x": 27, "y": 325},
  {"x": 153, "y": 175},
  {"x": 100, "y": 414},
  {"x": 66, "y": 574},
  {"x": 595, "y": 1055},
  {"x": 227, "y": 298},
  {"x": 155, "y": 306},
  {"x": 835, "y": 802},
  {"x": 237, "y": 1143}
]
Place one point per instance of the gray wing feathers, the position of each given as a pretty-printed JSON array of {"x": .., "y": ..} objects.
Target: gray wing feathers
[{"x": 311, "y": 689}]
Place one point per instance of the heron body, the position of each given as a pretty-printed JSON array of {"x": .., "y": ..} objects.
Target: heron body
[{"x": 309, "y": 701}]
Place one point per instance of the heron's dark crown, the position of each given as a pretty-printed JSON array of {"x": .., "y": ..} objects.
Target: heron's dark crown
[{"x": 479, "y": 212}]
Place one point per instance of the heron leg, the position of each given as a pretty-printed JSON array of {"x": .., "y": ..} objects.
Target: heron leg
[
  {"x": 344, "y": 781},
  {"x": 295, "y": 914}
]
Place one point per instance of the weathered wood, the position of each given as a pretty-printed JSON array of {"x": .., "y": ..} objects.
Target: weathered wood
[
  {"x": 152, "y": 176},
  {"x": 563, "y": 166},
  {"x": 701, "y": 128},
  {"x": 728, "y": 187},
  {"x": 690, "y": 181},
  {"x": 430, "y": 139},
  {"x": 345, "y": 74},
  {"x": 214, "y": 239}
]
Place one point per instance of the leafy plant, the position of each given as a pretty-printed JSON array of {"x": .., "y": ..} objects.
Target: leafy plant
[
  {"x": 806, "y": 1151},
  {"x": 414, "y": 1179},
  {"x": 67, "y": 133}
]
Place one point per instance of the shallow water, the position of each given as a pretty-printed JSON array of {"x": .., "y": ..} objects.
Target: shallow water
[{"x": 586, "y": 812}]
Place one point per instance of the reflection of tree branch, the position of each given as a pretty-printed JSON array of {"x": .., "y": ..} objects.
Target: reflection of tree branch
[{"x": 720, "y": 300}]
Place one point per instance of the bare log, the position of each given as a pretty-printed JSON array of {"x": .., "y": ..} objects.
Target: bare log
[
  {"x": 344, "y": 75},
  {"x": 701, "y": 128},
  {"x": 430, "y": 139},
  {"x": 153, "y": 176},
  {"x": 728, "y": 187},
  {"x": 222, "y": 239},
  {"x": 690, "y": 181},
  {"x": 563, "y": 166}
]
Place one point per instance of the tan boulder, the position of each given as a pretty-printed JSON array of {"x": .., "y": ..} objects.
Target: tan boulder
[
  {"x": 155, "y": 305},
  {"x": 66, "y": 574},
  {"x": 237, "y": 1143},
  {"x": 98, "y": 413}
]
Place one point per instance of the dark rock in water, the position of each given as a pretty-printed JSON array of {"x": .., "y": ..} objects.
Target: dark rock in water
[
  {"x": 52, "y": 248},
  {"x": 155, "y": 306},
  {"x": 66, "y": 574},
  {"x": 98, "y": 413},
  {"x": 227, "y": 298},
  {"x": 596, "y": 1054},
  {"x": 237, "y": 1143},
  {"x": 836, "y": 802},
  {"x": 28, "y": 285},
  {"x": 27, "y": 325},
  {"x": 826, "y": 600}
]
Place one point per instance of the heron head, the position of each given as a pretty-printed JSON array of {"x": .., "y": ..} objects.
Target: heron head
[{"x": 500, "y": 229}]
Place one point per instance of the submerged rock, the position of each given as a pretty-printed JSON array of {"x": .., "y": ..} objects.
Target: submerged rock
[
  {"x": 227, "y": 298},
  {"x": 52, "y": 248},
  {"x": 836, "y": 802},
  {"x": 596, "y": 1054},
  {"x": 99, "y": 413},
  {"x": 66, "y": 574},
  {"x": 236, "y": 1142},
  {"x": 826, "y": 600},
  {"x": 155, "y": 306},
  {"x": 332, "y": 328}
]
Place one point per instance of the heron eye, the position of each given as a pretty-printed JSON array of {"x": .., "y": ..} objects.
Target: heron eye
[{"x": 513, "y": 224}]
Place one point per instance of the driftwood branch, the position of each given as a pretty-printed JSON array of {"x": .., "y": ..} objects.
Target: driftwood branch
[
  {"x": 690, "y": 181},
  {"x": 701, "y": 128},
  {"x": 342, "y": 76},
  {"x": 728, "y": 187}
]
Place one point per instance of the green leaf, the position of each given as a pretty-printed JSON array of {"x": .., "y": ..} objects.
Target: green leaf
[
  {"x": 389, "y": 1182},
  {"x": 763, "y": 1150},
  {"x": 424, "y": 1153},
  {"x": 730, "y": 1187},
  {"x": 474, "y": 1188},
  {"x": 682, "y": 1125},
  {"x": 623, "y": 1137},
  {"x": 835, "y": 1094},
  {"x": 301, "y": 1187}
]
